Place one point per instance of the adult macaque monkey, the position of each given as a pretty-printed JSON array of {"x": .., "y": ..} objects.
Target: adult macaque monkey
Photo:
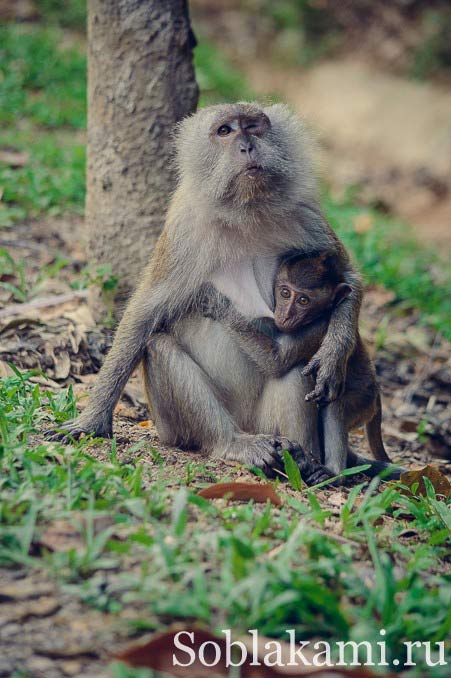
[
  {"x": 246, "y": 196},
  {"x": 307, "y": 289}
]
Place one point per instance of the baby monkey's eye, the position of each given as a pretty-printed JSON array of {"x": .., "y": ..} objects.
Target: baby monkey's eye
[
  {"x": 285, "y": 292},
  {"x": 303, "y": 300},
  {"x": 224, "y": 130}
]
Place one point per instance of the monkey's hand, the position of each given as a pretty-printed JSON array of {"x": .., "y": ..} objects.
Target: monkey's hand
[
  {"x": 329, "y": 376},
  {"x": 85, "y": 424}
]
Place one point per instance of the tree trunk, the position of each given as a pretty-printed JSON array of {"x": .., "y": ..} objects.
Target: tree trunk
[{"x": 140, "y": 83}]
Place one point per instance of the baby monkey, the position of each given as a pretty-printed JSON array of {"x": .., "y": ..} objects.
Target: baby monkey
[{"x": 306, "y": 290}]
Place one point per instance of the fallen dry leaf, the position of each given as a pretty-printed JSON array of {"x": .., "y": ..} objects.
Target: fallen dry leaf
[
  {"x": 41, "y": 303},
  {"x": 159, "y": 653},
  {"x": 259, "y": 492},
  {"x": 439, "y": 481},
  {"x": 145, "y": 424}
]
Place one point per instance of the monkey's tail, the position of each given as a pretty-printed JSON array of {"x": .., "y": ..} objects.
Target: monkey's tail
[
  {"x": 388, "y": 470},
  {"x": 374, "y": 434}
]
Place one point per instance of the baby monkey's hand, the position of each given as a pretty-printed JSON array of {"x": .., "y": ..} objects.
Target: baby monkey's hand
[{"x": 329, "y": 377}]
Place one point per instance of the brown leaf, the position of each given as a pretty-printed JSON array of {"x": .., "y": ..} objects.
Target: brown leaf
[
  {"x": 126, "y": 411},
  {"x": 439, "y": 481},
  {"x": 259, "y": 492},
  {"x": 145, "y": 424},
  {"x": 159, "y": 652}
]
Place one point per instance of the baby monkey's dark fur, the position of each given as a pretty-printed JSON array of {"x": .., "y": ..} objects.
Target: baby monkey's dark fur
[{"x": 306, "y": 291}]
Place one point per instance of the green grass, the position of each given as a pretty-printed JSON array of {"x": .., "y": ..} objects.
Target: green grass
[
  {"x": 218, "y": 81},
  {"x": 389, "y": 256},
  {"x": 52, "y": 180},
  {"x": 40, "y": 80},
  {"x": 42, "y": 105},
  {"x": 214, "y": 563}
]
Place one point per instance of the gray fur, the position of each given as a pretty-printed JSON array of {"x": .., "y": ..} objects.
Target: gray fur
[{"x": 217, "y": 222}]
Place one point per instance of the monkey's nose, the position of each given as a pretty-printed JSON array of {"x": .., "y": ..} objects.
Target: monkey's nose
[{"x": 246, "y": 147}]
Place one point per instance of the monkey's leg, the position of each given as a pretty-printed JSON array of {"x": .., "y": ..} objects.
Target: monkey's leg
[
  {"x": 284, "y": 411},
  {"x": 335, "y": 436},
  {"x": 189, "y": 411},
  {"x": 366, "y": 410}
]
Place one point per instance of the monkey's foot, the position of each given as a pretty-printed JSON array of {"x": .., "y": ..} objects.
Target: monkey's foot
[
  {"x": 260, "y": 450},
  {"x": 266, "y": 453},
  {"x": 312, "y": 472},
  {"x": 73, "y": 430}
]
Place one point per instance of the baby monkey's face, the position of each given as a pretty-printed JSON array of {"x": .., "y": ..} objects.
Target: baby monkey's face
[
  {"x": 303, "y": 294},
  {"x": 297, "y": 306}
]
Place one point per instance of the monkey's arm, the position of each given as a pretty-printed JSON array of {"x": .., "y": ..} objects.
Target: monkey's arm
[
  {"x": 255, "y": 338},
  {"x": 274, "y": 353},
  {"x": 258, "y": 344},
  {"x": 329, "y": 363},
  {"x": 158, "y": 298}
]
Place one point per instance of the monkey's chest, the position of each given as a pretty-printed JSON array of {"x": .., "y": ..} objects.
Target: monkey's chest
[{"x": 248, "y": 284}]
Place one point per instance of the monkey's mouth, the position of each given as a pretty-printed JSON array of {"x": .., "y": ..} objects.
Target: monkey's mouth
[{"x": 252, "y": 171}]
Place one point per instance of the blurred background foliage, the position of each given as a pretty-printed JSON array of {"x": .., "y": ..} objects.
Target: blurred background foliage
[{"x": 43, "y": 113}]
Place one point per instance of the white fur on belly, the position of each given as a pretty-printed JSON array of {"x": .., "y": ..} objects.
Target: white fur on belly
[{"x": 238, "y": 283}]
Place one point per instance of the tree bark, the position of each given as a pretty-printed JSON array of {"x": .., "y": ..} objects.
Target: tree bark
[{"x": 140, "y": 83}]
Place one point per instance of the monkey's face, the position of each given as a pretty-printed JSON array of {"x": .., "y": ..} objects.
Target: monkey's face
[
  {"x": 240, "y": 154},
  {"x": 297, "y": 306}
]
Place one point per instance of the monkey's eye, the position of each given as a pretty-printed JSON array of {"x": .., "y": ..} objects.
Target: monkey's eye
[
  {"x": 285, "y": 292},
  {"x": 303, "y": 300},
  {"x": 224, "y": 130},
  {"x": 251, "y": 127}
]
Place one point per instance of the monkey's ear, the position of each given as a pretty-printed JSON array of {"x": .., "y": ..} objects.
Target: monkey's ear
[{"x": 342, "y": 291}]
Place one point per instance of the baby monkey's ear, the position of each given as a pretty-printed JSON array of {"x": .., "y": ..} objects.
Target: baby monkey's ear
[{"x": 342, "y": 291}]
